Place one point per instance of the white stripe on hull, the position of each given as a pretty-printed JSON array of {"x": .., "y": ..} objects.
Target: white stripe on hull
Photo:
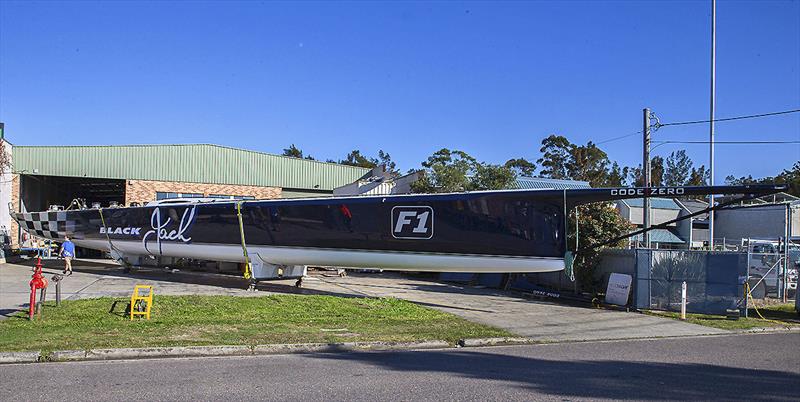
[{"x": 391, "y": 261}]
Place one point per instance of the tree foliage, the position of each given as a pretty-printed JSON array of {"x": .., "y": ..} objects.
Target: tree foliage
[
  {"x": 596, "y": 223},
  {"x": 562, "y": 159},
  {"x": 555, "y": 157},
  {"x": 295, "y": 152},
  {"x": 355, "y": 158},
  {"x": 617, "y": 176},
  {"x": 679, "y": 167},
  {"x": 521, "y": 166},
  {"x": 789, "y": 176},
  {"x": 454, "y": 171},
  {"x": 698, "y": 176}
]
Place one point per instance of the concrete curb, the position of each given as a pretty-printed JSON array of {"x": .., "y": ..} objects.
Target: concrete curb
[
  {"x": 19, "y": 357},
  {"x": 346, "y": 347},
  {"x": 477, "y": 342},
  {"x": 224, "y": 350},
  {"x": 65, "y": 355},
  {"x": 759, "y": 330},
  {"x": 177, "y": 351}
]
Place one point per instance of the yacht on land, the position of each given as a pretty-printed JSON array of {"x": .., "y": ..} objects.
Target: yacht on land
[{"x": 508, "y": 231}]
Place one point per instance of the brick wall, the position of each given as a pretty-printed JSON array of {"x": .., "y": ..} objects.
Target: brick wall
[{"x": 145, "y": 190}]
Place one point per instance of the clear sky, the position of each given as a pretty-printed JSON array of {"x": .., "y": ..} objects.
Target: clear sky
[{"x": 492, "y": 79}]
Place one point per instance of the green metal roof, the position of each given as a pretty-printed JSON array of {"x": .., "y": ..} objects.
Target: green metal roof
[
  {"x": 196, "y": 163},
  {"x": 660, "y": 203},
  {"x": 540, "y": 183},
  {"x": 661, "y": 236}
]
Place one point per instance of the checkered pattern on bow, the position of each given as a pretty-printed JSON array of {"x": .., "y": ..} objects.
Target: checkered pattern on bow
[{"x": 50, "y": 225}]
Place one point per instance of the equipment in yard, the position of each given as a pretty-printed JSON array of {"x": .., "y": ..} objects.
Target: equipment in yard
[
  {"x": 141, "y": 304},
  {"x": 38, "y": 281},
  {"x": 57, "y": 279}
]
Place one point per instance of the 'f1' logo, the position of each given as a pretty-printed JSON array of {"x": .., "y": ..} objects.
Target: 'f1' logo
[{"x": 412, "y": 222}]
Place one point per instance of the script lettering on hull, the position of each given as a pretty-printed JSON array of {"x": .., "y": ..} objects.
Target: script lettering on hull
[{"x": 160, "y": 230}]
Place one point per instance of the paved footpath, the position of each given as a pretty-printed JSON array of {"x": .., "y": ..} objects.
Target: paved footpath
[
  {"x": 540, "y": 320},
  {"x": 734, "y": 367}
]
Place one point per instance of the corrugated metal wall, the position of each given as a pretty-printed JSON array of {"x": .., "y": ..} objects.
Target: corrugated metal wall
[{"x": 197, "y": 163}]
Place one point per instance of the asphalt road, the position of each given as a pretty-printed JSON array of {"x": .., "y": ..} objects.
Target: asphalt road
[{"x": 735, "y": 367}]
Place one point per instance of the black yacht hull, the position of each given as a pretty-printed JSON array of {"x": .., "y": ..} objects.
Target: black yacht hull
[{"x": 492, "y": 231}]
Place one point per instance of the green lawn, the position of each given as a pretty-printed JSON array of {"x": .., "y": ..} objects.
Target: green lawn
[
  {"x": 228, "y": 320},
  {"x": 778, "y": 315}
]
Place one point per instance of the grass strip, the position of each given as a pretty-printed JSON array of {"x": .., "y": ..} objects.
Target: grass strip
[
  {"x": 777, "y": 315},
  {"x": 228, "y": 320}
]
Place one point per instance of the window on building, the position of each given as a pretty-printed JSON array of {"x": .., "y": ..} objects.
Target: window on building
[
  {"x": 166, "y": 195},
  {"x": 232, "y": 197}
]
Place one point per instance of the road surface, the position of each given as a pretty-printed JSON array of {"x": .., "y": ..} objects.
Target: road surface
[{"x": 731, "y": 367}]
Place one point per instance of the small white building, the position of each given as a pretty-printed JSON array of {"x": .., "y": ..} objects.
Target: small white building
[
  {"x": 675, "y": 236},
  {"x": 379, "y": 183}
]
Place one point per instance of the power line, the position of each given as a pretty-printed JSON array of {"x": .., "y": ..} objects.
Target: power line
[
  {"x": 752, "y": 116},
  {"x": 660, "y": 143},
  {"x": 617, "y": 138},
  {"x": 729, "y": 142}
]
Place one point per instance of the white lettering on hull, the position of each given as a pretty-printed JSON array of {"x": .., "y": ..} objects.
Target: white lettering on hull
[{"x": 159, "y": 230}]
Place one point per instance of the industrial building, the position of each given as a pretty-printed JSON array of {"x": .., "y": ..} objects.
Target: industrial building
[
  {"x": 759, "y": 220},
  {"x": 41, "y": 176}
]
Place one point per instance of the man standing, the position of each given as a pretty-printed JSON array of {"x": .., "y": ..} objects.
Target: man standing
[{"x": 68, "y": 252}]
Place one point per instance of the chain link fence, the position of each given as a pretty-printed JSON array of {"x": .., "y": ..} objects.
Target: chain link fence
[{"x": 715, "y": 280}]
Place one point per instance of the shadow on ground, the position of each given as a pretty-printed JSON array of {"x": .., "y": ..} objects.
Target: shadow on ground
[{"x": 596, "y": 379}]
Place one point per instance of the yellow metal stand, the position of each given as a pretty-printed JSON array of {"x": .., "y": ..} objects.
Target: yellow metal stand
[{"x": 148, "y": 300}]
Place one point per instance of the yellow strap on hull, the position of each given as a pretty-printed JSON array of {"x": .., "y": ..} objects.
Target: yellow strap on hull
[{"x": 247, "y": 272}]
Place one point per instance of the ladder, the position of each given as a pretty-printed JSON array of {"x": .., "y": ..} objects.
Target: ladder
[{"x": 146, "y": 299}]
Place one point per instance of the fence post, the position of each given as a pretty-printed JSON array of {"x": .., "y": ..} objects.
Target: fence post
[{"x": 683, "y": 300}]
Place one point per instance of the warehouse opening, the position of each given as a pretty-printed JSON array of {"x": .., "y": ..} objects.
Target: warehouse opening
[{"x": 38, "y": 193}]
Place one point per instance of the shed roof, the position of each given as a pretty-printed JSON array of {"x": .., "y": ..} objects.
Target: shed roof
[
  {"x": 659, "y": 203},
  {"x": 661, "y": 236},
  {"x": 196, "y": 163},
  {"x": 540, "y": 183}
]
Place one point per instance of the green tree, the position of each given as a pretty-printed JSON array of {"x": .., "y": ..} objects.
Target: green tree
[
  {"x": 562, "y": 159},
  {"x": 789, "y": 176},
  {"x": 656, "y": 173},
  {"x": 792, "y": 178},
  {"x": 454, "y": 171},
  {"x": 389, "y": 166},
  {"x": 733, "y": 181},
  {"x": 597, "y": 223},
  {"x": 355, "y": 158},
  {"x": 698, "y": 176},
  {"x": 555, "y": 157},
  {"x": 678, "y": 170},
  {"x": 492, "y": 177},
  {"x": 588, "y": 163},
  {"x": 295, "y": 152},
  {"x": 521, "y": 166},
  {"x": 617, "y": 176},
  {"x": 445, "y": 171}
]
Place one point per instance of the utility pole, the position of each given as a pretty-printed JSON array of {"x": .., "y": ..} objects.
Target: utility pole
[
  {"x": 646, "y": 175},
  {"x": 711, "y": 122}
]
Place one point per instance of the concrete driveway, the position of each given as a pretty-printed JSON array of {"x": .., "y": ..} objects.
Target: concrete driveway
[{"x": 539, "y": 320}]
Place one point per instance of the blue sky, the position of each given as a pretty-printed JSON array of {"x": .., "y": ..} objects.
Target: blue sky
[{"x": 492, "y": 79}]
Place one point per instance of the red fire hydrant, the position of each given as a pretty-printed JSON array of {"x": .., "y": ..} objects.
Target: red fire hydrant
[{"x": 38, "y": 281}]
